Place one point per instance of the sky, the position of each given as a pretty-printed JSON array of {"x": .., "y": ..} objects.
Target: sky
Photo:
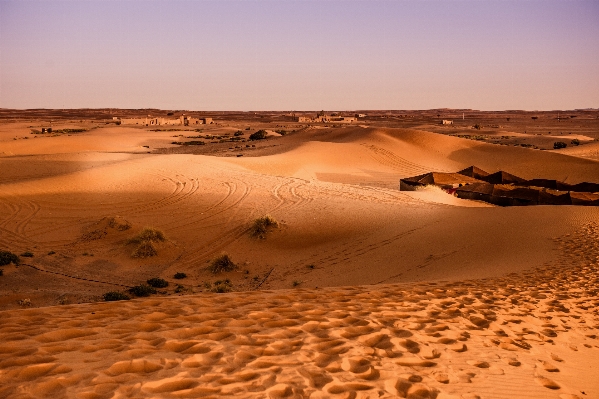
[{"x": 299, "y": 55}]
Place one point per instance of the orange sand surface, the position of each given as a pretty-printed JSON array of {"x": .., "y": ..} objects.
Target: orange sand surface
[
  {"x": 361, "y": 291},
  {"x": 532, "y": 335}
]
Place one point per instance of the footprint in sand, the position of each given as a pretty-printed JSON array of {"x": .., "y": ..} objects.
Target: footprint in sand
[
  {"x": 429, "y": 353},
  {"x": 548, "y": 366},
  {"x": 316, "y": 377},
  {"x": 513, "y": 362},
  {"x": 547, "y": 383},
  {"x": 404, "y": 388},
  {"x": 355, "y": 364},
  {"x": 441, "y": 377},
  {"x": 556, "y": 358},
  {"x": 467, "y": 377},
  {"x": 458, "y": 347},
  {"x": 478, "y": 363},
  {"x": 409, "y": 345}
]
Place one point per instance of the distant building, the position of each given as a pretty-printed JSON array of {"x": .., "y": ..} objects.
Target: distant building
[
  {"x": 446, "y": 122},
  {"x": 325, "y": 119},
  {"x": 301, "y": 119},
  {"x": 151, "y": 121}
]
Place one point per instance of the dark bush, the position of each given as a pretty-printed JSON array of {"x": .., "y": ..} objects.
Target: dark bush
[
  {"x": 222, "y": 263},
  {"x": 7, "y": 257},
  {"x": 575, "y": 142},
  {"x": 148, "y": 234},
  {"x": 142, "y": 290},
  {"x": 259, "y": 135},
  {"x": 157, "y": 282},
  {"x": 261, "y": 225},
  {"x": 115, "y": 296},
  {"x": 180, "y": 275},
  {"x": 27, "y": 254},
  {"x": 559, "y": 144},
  {"x": 221, "y": 287},
  {"x": 145, "y": 249},
  {"x": 238, "y": 133}
]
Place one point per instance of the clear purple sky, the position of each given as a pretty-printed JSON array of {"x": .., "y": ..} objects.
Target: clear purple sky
[{"x": 299, "y": 55}]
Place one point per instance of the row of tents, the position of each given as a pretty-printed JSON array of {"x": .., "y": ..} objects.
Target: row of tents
[{"x": 504, "y": 189}]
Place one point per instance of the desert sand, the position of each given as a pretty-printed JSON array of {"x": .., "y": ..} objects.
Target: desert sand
[{"x": 362, "y": 290}]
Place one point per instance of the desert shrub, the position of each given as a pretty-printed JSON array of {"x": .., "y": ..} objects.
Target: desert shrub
[
  {"x": 259, "y": 135},
  {"x": 157, "y": 282},
  {"x": 115, "y": 296},
  {"x": 179, "y": 289},
  {"x": 119, "y": 223},
  {"x": 477, "y": 126},
  {"x": 27, "y": 254},
  {"x": 248, "y": 128},
  {"x": 7, "y": 257},
  {"x": 281, "y": 132},
  {"x": 51, "y": 252},
  {"x": 559, "y": 144},
  {"x": 534, "y": 117},
  {"x": 1, "y": 272},
  {"x": 145, "y": 240},
  {"x": 296, "y": 283},
  {"x": 148, "y": 234},
  {"x": 261, "y": 225},
  {"x": 142, "y": 290},
  {"x": 238, "y": 133},
  {"x": 575, "y": 142},
  {"x": 145, "y": 249},
  {"x": 221, "y": 287},
  {"x": 25, "y": 302},
  {"x": 222, "y": 263},
  {"x": 179, "y": 275}
]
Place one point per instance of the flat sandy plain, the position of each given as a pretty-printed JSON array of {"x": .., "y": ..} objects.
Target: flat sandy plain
[{"x": 362, "y": 290}]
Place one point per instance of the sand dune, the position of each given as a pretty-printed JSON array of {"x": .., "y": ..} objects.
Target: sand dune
[
  {"x": 417, "y": 295},
  {"x": 528, "y": 336}
]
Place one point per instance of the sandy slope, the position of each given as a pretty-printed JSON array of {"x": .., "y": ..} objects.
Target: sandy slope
[
  {"x": 333, "y": 190},
  {"x": 342, "y": 223},
  {"x": 532, "y": 335}
]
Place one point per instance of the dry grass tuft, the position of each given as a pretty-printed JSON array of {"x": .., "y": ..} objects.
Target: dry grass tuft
[
  {"x": 148, "y": 234},
  {"x": 223, "y": 263},
  {"x": 145, "y": 242},
  {"x": 119, "y": 223},
  {"x": 261, "y": 225},
  {"x": 145, "y": 249}
]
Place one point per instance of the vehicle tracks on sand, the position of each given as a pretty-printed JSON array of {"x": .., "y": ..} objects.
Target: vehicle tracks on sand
[{"x": 395, "y": 162}]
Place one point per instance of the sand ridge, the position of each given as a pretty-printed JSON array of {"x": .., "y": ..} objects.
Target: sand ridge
[
  {"x": 525, "y": 335},
  {"x": 359, "y": 230},
  {"x": 415, "y": 295}
]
